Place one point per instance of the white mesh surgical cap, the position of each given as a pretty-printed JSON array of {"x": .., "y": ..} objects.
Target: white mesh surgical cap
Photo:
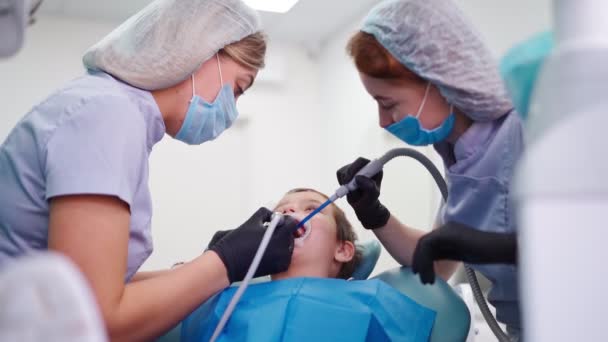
[
  {"x": 434, "y": 40},
  {"x": 166, "y": 42}
]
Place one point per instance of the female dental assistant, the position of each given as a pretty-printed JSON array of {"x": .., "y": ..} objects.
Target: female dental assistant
[
  {"x": 74, "y": 171},
  {"x": 436, "y": 83}
]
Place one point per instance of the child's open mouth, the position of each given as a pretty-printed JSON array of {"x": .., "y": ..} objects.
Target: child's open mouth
[{"x": 302, "y": 233}]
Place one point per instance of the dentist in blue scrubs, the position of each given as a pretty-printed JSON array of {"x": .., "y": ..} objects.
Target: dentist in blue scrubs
[{"x": 436, "y": 83}]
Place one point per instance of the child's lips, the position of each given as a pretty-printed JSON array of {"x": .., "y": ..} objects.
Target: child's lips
[{"x": 302, "y": 233}]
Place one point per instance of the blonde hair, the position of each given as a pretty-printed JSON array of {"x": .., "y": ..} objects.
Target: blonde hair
[{"x": 249, "y": 52}]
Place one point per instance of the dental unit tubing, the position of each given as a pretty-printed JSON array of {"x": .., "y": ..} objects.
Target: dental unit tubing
[
  {"x": 376, "y": 165},
  {"x": 372, "y": 169}
]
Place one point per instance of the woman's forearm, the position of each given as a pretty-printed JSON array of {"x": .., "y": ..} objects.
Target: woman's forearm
[
  {"x": 145, "y": 275},
  {"x": 401, "y": 240},
  {"x": 149, "y": 307}
]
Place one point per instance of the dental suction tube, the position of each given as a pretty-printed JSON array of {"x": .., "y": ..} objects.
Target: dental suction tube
[{"x": 376, "y": 165}]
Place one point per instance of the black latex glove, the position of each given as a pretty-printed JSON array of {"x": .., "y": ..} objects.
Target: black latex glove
[
  {"x": 454, "y": 241},
  {"x": 217, "y": 237},
  {"x": 370, "y": 212},
  {"x": 237, "y": 247}
]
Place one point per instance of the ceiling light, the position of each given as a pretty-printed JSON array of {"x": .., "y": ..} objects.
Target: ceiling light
[{"x": 277, "y": 6}]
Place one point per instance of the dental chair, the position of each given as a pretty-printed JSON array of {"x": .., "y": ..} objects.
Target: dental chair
[{"x": 452, "y": 321}]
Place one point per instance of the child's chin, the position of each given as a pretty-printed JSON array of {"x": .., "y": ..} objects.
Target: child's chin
[{"x": 298, "y": 252}]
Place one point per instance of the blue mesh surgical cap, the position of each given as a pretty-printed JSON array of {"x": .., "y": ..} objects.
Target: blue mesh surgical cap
[
  {"x": 434, "y": 40},
  {"x": 167, "y": 41}
]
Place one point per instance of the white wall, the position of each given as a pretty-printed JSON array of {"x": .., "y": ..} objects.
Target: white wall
[
  {"x": 293, "y": 133},
  {"x": 505, "y": 23},
  {"x": 51, "y": 56}
]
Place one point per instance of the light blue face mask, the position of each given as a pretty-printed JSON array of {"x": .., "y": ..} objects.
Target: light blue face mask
[
  {"x": 205, "y": 121},
  {"x": 411, "y": 131}
]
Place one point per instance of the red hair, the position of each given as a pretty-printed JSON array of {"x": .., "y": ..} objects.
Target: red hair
[{"x": 372, "y": 59}]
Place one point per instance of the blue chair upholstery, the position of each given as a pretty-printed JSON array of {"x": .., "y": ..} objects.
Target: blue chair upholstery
[
  {"x": 452, "y": 321},
  {"x": 370, "y": 252}
]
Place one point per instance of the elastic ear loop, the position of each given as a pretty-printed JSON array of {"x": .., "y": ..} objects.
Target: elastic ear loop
[
  {"x": 426, "y": 95},
  {"x": 193, "y": 93},
  {"x": 219, "y": 67}
]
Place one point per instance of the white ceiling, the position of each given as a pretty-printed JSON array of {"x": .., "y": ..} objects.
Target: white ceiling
[{"x": 309, "y": 22}]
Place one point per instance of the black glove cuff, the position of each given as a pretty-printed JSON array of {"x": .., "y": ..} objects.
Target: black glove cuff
[
  {"x": 232, "y": 273},
  {"x": 375, "y": 217}
]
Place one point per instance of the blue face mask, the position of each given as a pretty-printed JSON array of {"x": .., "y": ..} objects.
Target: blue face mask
[
  {"x": 205, "y": 121},
  {"x": 411, "y": 131}
]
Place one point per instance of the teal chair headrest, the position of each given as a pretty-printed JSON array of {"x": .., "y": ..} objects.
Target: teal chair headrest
[
  {"x": 453, "y": 319},
  {"x": 370, "y": 252}
]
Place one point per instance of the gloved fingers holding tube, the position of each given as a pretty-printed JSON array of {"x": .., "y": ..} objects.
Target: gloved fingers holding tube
[
  {"x": 458, "y": 242},
  {"x": 365, "y": 199},
  {"x": 236, "y": 248}
]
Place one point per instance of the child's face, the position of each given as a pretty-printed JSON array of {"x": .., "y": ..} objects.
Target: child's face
[{"x": 320, "y": 254}]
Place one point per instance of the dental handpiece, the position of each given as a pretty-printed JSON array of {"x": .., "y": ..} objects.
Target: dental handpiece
[{"x": 370, "y": 170}]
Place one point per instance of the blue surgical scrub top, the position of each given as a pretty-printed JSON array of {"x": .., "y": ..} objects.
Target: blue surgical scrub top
[
  {"x": 479, "y": 170},
  {"x": 93, "y": 136}
]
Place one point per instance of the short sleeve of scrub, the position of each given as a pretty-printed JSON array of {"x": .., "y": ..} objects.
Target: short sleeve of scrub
[{"x": 99, "y": 149}]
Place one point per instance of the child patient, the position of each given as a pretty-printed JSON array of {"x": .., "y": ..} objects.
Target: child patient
[
  {"x": 302, "y": 304},
  {"x": 328, "y": 250}
]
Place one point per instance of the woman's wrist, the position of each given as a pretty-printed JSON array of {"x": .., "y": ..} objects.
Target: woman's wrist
[{"x": 216, "y": 266}]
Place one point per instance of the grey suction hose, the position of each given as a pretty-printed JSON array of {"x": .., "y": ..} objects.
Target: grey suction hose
[{"x": 375, "y": 166}]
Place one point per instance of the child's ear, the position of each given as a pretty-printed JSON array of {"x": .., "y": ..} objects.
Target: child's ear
[{"x": 345, "y": 252}]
